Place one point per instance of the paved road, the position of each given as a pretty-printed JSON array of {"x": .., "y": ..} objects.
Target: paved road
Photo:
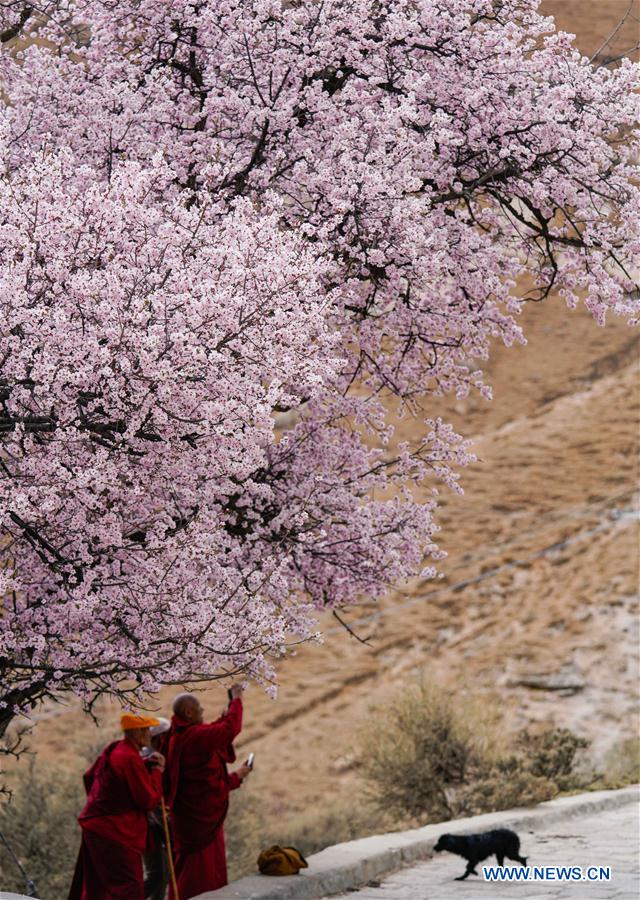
[{"x": 609, "y": 838}]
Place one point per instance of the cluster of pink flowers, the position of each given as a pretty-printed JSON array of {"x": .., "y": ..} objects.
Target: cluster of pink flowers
[{"x": 230, "y": 232}]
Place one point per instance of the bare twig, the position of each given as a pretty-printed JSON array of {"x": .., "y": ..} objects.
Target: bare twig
[
  {"x": 608, "y": 60},
  {"x": 353, "y": 634}
]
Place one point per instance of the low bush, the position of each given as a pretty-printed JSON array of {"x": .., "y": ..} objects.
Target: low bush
[
  {"x": 419, "y": 748},
  {"x": 39, "y": 821},
  {"x": 431, "y": 758},
  {"x": 553, "y": 755},
  {"x": 496, "y": 791}
]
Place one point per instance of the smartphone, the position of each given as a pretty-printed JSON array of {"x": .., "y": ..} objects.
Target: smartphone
[{"x": 250, "y": 759}]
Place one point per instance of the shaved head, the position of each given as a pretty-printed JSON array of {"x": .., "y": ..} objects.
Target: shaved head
[{"x": 187, "y": 706}]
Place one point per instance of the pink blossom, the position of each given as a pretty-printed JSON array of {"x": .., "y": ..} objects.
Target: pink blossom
[{"x": 231, "y": 231}]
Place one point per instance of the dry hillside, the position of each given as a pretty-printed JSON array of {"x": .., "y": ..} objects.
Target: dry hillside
[{"x": 537, "y": 606}]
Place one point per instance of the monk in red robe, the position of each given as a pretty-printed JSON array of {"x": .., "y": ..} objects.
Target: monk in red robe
[
  {"x": 197, "y": 787},
  {"x": 121, "y": 789}
]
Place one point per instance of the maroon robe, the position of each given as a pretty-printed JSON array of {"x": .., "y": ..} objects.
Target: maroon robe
[
  {"x": 198, "y": 786},
  {"x": 120, "y": 792}
]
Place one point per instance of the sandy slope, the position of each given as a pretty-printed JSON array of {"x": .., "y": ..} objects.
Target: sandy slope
[{"x": 537, "y": 607}]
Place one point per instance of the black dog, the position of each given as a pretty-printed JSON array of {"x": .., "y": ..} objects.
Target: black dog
[{"x": 476, "y": 847}]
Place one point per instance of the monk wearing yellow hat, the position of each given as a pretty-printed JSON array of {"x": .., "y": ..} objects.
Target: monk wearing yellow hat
[{"x": 121, "y": 789}]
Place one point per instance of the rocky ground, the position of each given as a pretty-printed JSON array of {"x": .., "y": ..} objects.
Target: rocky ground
[{"x": 537, "y": 607}]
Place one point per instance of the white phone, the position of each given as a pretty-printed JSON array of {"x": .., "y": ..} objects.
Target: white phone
[{"x": 250, "y": 759}]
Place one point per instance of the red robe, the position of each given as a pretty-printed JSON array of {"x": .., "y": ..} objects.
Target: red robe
[
  {"x": 120, "y": 792},
  {"x": 198, "y": 786}
]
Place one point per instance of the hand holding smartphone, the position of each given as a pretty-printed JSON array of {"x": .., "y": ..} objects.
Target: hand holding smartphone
[{"x": 236, "y": 690}]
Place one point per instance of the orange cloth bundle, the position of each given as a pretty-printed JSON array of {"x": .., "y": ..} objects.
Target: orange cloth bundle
[{"x": 281, "y": 861}]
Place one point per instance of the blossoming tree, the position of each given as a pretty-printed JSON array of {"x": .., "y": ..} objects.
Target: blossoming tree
[{"x": 232, "y": 230}]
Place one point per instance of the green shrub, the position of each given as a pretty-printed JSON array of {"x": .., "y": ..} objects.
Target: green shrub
[
  {"x": 497, "y": 791},
  {"x": 552, "y": 755},
  {"x": 432, "y": 758},
  {"x": 419, "y": 748}
]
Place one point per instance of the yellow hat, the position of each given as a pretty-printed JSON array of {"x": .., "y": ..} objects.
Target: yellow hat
[{"x": 129, "y": 721}]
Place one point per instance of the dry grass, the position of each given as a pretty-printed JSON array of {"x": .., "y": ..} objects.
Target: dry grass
[
  {"x": 39, "y": 821},
  {"x": 249, "y": 830}
]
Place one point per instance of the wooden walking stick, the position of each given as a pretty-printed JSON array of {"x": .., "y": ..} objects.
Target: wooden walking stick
[{"x": 172, "y": 871}]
